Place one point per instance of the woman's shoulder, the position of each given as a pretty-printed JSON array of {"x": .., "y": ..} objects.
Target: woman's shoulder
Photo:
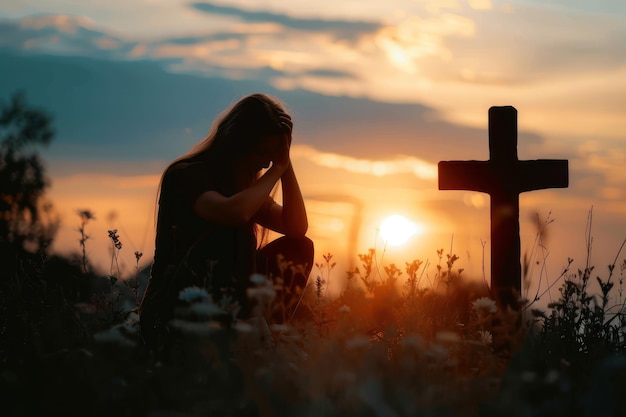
[
  {"x": 186, "y": 164},
  {"x": 186, "y": 168},
  {"x": 187, "y": 178}
]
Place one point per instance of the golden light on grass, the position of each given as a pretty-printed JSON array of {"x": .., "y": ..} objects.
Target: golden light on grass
[{"x": 396, "y": 230}]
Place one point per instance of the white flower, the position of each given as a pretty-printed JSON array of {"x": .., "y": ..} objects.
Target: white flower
[
  {"x": 194, "y": 294},
  {"x": 552, "y": 377},
  {"x": 206, "y": 309},
  {"x": 485, "y": 337},
  {"x": 113, "y": 335},
  {"x": 132, "y": 319},
  {"x": 243, "y": 327},
  {"x": 357, "y": 342},
  {"x": 197, "y": 328},
  {"x": 448, "y": 336},
  {"x": 486, "y": 304},
  {"x": 437, "y": 352},
  {"x": 280, "y": 328},
  {"x": 258, "y": 279},
  {"x": 254, "y": 333},
  {"x": 413, "y": 341},
  {"x": 262, "y": 294},
  {"x": 344, "y": 309}
]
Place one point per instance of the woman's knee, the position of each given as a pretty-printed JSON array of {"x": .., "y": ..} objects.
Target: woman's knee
[
  {"x": 304, "y": 243},
  {"x": 297, "y": 249},
  {"x": 290, "y": 244}
]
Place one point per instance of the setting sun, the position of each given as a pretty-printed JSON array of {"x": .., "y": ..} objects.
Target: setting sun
[{"x": 396, "y": 230}]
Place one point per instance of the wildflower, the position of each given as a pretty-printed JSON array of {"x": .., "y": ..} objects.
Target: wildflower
[
  {"x": 357, "y": 342},
  {"x": 280, "y": 328},
  {"x": 228, "y": 304},
  {"x": 114, "y": 335},
  {"x": 196, "y": 328},
  {"x": 437, "y": 352},
  {"x": 85, "y": 215},
  {"x": 254, "y": 334},
  {"x": 485, "y": 304},
  {"x": 552, "y": 377},
  {"x": 194, "y": 294},
  {"x": 258, "y": 279},
  {"x": 243, "y": 327},
  {"x": 206, "y": 309},
  {"x": 115, "y": 238},
  {"x": 344, "y": 309},
  {"x": 263, "y": 294},
  {"x": 447, "y": 336},
  {"x": 485, "y": 337},
  {"x": 132, "y": 320},
  {"x": 319, "y": 285},
  {"x": 413, "y": 341}
]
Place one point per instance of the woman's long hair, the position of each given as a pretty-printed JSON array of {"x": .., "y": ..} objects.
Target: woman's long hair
[{"x": 237, "y": 132}]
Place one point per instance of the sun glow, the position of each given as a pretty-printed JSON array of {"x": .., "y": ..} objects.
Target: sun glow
[{"x": 396, "y": 230}]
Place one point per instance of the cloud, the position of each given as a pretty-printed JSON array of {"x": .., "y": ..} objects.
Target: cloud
[
  {"x": 62, "y": 22},
  {"x": 263, "y": 51},
  {"x": 480, "y": 4},
  {"x": 200, "y": 39},
  {"x": 114, "y": 100},
  {"x": 446, "y": 56},
  {"x": 329, "y": 73},
  {"x": 442, "y": 57},
  {"x": 62, "y": 34},
  {"x": 417, "y": 37},
  {"x": 533, "y": 44},
  {"x": 378, "y": 168},
  {"x": 611, "y": 164},
  {"x": 346, "y": 29},
  {"x": 138, "y": 105}
]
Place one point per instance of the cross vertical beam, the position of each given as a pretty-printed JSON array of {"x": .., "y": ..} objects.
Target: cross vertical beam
[{"x": 504, "y": 177}]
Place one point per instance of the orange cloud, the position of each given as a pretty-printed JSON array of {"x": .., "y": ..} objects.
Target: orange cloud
[{"x": 378, "y": 168}]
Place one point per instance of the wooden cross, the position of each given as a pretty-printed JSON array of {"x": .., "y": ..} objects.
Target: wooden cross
[{"x": 504, "y": 177}]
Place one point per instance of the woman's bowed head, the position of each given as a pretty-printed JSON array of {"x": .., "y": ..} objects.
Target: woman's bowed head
[{"x": 215, "y": 206}]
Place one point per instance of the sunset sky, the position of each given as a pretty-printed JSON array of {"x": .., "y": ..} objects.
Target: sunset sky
[{"x": 380, "y": 91}]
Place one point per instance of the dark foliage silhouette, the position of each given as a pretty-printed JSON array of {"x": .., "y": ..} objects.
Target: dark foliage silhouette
[{"x": 26, "y": 219}]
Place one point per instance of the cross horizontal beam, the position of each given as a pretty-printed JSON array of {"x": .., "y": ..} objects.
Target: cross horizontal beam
[{"x": 491, "y": 177}]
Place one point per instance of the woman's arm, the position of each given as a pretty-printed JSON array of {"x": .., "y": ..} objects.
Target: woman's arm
[
  {"x": 290, "y": 218},
  {"x": 242, "y": 206}
]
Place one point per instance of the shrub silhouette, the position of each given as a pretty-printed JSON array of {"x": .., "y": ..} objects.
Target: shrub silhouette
[{"x": 26, "y": 219}]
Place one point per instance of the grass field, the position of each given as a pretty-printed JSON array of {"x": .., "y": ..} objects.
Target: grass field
[{"x": 392, "y": 343}]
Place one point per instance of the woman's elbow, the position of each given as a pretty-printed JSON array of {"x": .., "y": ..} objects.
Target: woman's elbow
[
  {"x": 297, "y": 230},
  {"x": 218, "y": 209},
  {"x": 238, "y": 217},
  {"x": 228, "y": 217}
]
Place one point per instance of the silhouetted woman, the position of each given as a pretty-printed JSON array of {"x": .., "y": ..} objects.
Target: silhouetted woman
[{"x": 213, "y": 204}]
